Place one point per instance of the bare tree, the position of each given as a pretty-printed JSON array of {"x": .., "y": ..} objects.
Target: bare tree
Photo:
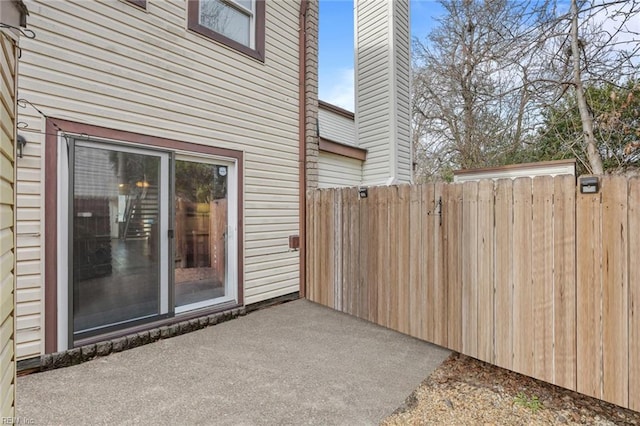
[
  {"x": 592, "y": 44},
  {"x": 490, "y": 69},
  {"x": 471, "y": 96}
]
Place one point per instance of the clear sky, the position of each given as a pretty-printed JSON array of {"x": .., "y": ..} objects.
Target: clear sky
[{"x": 336, "y": 45}]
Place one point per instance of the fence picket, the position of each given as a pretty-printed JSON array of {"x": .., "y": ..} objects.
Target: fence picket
[
  {"x": 403, "y": 256},
  {"x": 470, "y": 268},
  {"x": 522, "y": 287},
  {"x": 615, "y": 363},
  {"x": 542, "y": 276},
  {"x": 634, "y": 293},
  {"x": 417, "y": 260},
  {"x": 437, "y": 279},
  {"x": 429, "y": 256},
  {"x": 589, "y": 290},
  {"x": 485, "y": 281},
  {"x": 391, "y": 256},
  {"x": 453, "y": 219},
  {"x": 504, "y": 273},
  {"x": 371, "y": 248},
  {"x": 564, "y": 284},
  {"x": 338, "y": 253}
]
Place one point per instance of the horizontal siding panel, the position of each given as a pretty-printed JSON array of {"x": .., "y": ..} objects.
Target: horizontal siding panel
[
  {"x": 255, "y": 238},
  {"x": 267, "y": 279},
  {"x": 28, "y": 335},
  {"x": 6, "y": 192},
  {"x": 6, "y": 365},
  {"x": 6, "y": 216},
  {"x": 275, "y": 241},
  {"x": 265, "y": 160},
  {"x": 6, "y": 143},
  {"x": 29, "y": 161},
  {"x": 6, "y": 240},
  {"x": 27, "y": 253},
  {"x": 28, "y": 350},
  {"x": 29, "y": 268},
  {"x": 283, "y": 291},
  {"x": 375, "y": 82},
  {"x": 28, "y": 227},
  {"x": 271, "y": 262},
  {"x": 29, "y": 308},
  {"x": 6, "y": 331},
  {"x": 270, "y": 220},
  {"x": 253, "y": 251},
  {"x": 27, "y": 201},
  {"x": 266, "y": 175},
  {"x": 28, "y": 295},
  {"x": 27, "y": 281},
  {"x": 31, "y": 175},
  {"x": 6, "y": 282},
  {"x": 30, "y": 214},
  {"x": 29, "y": 322},
  {"x": 28, "y": 240},
  {"x": 28, "y": 188},
  {"x": 337, "y": 171},
  {"x": 336, "y": 127},
  {"x": 267, "y": 287}
]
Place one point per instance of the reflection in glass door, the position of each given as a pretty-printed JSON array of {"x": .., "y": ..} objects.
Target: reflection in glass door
[
  {"x": 201, "y": 240},
  {"x": 118, "y": 205}
]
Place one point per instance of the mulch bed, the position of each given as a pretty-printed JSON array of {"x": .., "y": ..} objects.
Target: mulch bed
[{"x": 465, "y": 391}]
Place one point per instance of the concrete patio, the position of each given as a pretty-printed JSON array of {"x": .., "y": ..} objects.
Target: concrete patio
[{"x": 296, "y": 363}]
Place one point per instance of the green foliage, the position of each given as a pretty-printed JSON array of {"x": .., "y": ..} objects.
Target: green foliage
[
  {"x": 616, "y": 112},
  {"x": 534, "y": 404},
  {"x": 199, "y": 182}
]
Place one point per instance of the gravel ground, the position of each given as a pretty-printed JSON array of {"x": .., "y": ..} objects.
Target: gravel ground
[{"x": 464, "y": 391}]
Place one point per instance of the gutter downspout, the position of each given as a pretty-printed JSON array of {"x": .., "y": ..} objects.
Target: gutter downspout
[{"x": 302, "y": 155}]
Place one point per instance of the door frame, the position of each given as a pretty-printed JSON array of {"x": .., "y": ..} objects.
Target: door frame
[
  {"x": 230, "y": 291},
  {"x": 65, "y": 209},
  {"x": 56, "y": 130}
]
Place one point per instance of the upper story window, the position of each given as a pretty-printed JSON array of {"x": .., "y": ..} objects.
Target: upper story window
[
  {"x": 237, "y": 23},
  {"x": 140, "y": 3}
]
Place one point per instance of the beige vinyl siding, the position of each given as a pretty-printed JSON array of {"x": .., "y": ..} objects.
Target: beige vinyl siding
[
  {"x": 29, "y": 291},
  {"x": 402, "y": 55},
  {"x": 336, "y": 127},
  {"x": 114, "y": 65},
  {"x": 372, "y": 77},
  {"x": 8, "y": 67},
  {"x": 338, "y": 171},
  {"x": 382, "y": 89}
]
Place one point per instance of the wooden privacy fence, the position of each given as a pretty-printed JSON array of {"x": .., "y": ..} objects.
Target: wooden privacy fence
[{"x": 530, "y": 275}]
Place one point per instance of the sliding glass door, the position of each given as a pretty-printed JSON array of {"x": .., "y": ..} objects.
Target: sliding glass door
[
  {"x": 118, "y": 209},
  {"x": 150, "y": 234},
  {"x": 201, "y": 233}
]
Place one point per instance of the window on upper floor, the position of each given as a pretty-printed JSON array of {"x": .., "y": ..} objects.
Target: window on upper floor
[
  {"x": 140, "y": 3},
  {"x": 236, "y": 23}
]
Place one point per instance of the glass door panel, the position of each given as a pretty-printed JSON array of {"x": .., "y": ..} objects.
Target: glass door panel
[
  {"x": 200, "y": 242},
  {"x": 116, "y": 216}
]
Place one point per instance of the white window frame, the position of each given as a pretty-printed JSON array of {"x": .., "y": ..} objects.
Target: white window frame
[
  {"x": 251, "y": 13},
  {"x": 231, "y": 276}
]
